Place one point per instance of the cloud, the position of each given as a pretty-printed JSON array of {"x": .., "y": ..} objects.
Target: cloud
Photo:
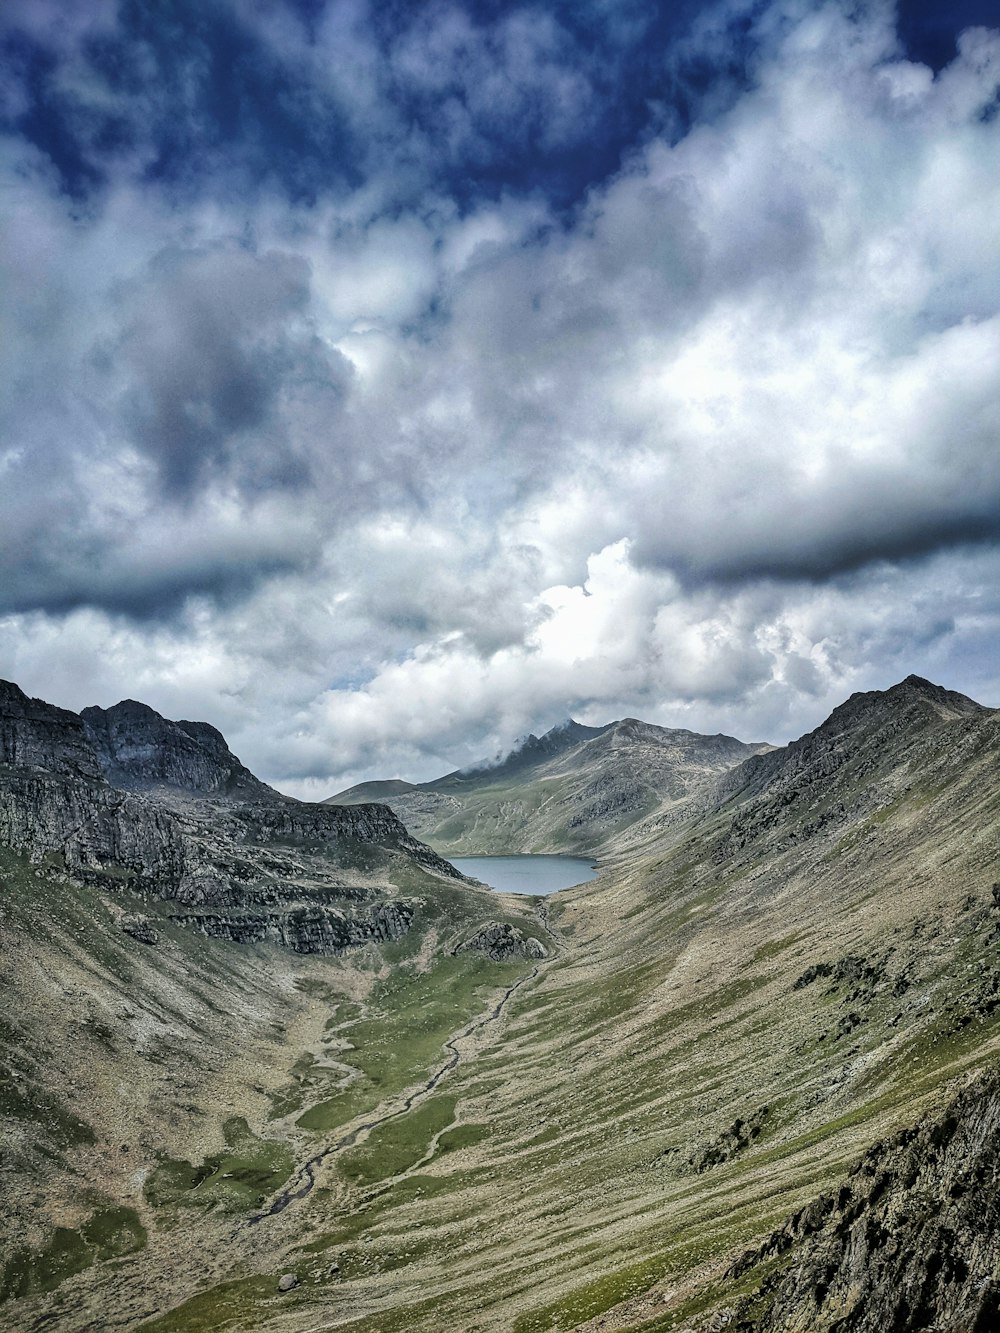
[{"x": 354, "y": 432}]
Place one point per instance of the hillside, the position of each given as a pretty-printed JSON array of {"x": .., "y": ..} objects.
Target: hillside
[
  {"x": 752, "y": 1083},
  {"x": 575, "y": 789},
  {"x": 181, "y": 947}
]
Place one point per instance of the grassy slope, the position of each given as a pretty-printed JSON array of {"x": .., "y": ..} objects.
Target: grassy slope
[
  {"x": 155, "y": 1097},
  {"x": 659, "y": 1095},
  {"x": 664, "y": 1092},
  {"x": 576, "y": 799}
]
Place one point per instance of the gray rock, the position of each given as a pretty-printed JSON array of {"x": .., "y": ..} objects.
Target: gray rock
[
  {"x": 908, "y": 1242},
  {"x": 140, "y": 928},
  {"x": 306, "y": 929},
  {"x": 287, "y": 1282},
  {"x": 499, "y": 940},
  {"x": 139, "y": 750},
  {"x": 127, "y": 800}
]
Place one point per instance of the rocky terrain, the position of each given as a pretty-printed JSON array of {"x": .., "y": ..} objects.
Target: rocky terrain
[
  {"x": 746, "y": 1078},
  {"x": 575, "y": 789},
  {"x": 908, "y": 1242},
  {"x": 122, "y": 797}
]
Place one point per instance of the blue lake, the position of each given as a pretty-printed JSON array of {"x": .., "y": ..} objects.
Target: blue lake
[{"x": 537, "y": 875}]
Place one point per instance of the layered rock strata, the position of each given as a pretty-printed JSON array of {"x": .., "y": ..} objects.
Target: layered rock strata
[{"x": 125, "y": 798}]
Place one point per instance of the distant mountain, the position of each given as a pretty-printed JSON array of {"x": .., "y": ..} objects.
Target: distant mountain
[{"x": 574, "y": 789}]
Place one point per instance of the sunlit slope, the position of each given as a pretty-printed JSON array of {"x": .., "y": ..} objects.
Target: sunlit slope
[
  {"x": 724, "y": 1029},
  {"x": 572, "y": 790}
]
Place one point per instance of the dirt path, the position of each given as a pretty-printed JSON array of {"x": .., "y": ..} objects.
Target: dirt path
[{"x": 306, "y": 1176}]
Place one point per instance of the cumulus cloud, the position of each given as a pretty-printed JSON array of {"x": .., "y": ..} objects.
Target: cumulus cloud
[{"x": 344, "y": 430}]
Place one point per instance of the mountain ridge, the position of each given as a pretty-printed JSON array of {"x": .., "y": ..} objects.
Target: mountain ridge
[{"x": 575, "y": 789}]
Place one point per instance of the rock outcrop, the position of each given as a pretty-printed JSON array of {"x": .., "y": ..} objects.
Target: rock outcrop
[
  {"x": 910, "y": 1242},
  {"x": 138, "y": 750},
  {"x": 37, "y": 735},
  {"x": 500, "y": 941},
  {"x": 306, "y": 928}
]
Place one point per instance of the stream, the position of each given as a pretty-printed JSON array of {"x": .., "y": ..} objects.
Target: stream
[{"x": 307, "y": 1172}]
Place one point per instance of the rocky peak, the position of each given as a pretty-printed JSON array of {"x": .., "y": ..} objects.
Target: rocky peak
[
  {"x": 139, "y": 750},
  {"x": 35, "y": 734},
  {"x": 862, "y": 754},
  {"x": 913, "y": 700}
]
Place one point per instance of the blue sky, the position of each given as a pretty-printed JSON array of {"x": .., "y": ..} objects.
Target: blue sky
[{"x": 385, "y": 381}]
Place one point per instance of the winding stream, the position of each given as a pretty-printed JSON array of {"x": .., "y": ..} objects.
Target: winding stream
[{"x": 307, "y": 1172}]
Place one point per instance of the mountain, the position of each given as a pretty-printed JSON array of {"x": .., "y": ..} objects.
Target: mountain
[
  {"x": 575, "y": 789},
  {"x": 745, "y": 1079},
  {"x": 182, "y": 948},
  {"x": 138, "y": 750},
  {"x": 124, "y": 794}
]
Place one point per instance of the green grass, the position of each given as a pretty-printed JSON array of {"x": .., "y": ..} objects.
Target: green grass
[
  {"x": 45, "y": 1111},
  {"x": 463, "y": 1136},
  {"x": 238, "y": 1179},
  {"x": 409, "y": 1017},
  {"x": 239, "y": 1305},
  {"x": 110, "y": 1233},
  {"x": 399, "y": 1144}
]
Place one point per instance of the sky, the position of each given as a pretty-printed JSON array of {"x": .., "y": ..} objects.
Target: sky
[{"x": 382, "y": 382}]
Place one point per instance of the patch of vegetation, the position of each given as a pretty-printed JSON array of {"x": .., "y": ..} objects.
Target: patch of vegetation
[
  {"x": 546, "y": 1136},
  {"x": 110, "y": 1233},
  {"x": 46, "y": 1112},
  {"x": 399, "y": 1144},
  {"x": 231, "y": 1305},
  {"x": 408, "y": 1018},
  {"x": 593, "y": 1298},
  {"x": 463, "y": 1136},
  {"x": 238, "y": 1179}
]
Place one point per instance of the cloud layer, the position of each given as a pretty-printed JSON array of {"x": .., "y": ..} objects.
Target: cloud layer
[{"x": 382, "y": 386}]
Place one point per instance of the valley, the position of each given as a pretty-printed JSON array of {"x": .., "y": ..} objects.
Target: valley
[{"x": 685, "y": 1095}]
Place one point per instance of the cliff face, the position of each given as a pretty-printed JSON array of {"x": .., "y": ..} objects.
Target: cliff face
[
  {"x": 122, "y": 797},
  {"x": 307, "y": 928},
  {"x": 55, "y": 802},
  {"x": 139, "y": 750},
  {"x": 910, "y": 1242},
  {"x": 34, "y": 734}
]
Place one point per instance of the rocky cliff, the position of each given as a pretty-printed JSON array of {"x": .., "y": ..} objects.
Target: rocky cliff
[
  {"x": 139, "y": 750},
  {"x": 125, "y": 798},
  {"x": 307, "y": 928},
  {"x": 909, "y": 1243}
]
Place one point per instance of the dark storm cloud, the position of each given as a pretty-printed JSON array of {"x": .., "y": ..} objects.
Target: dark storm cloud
[
  {"x": 213, "y": 345},
  {"x": 424, "y": 373}
]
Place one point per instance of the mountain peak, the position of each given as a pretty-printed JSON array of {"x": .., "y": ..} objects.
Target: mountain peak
[
  {"x": 139, "y": 748},
  {"x": 37, "y": 734},
  {"x": 912, "y": 690}
]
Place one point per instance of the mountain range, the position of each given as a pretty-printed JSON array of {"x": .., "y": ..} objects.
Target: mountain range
[
  {"x": 745, "y": 1079},
  {"x": 575, "y": 789}
]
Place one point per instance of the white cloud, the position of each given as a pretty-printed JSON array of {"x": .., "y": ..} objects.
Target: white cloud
[{"x": 710, "y": 450}]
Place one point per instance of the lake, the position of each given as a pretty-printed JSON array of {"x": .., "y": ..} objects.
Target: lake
[{"x": 537, "y": 875}]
